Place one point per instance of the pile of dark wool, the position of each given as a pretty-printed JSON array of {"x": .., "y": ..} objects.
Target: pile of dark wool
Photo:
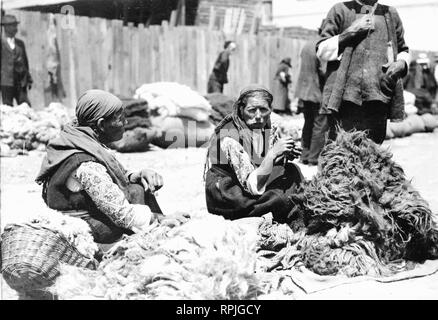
[{"x": 359, "y": 184}]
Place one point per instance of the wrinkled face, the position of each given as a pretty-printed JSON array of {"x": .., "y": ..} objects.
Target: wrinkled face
[
  {"x": 114, "y": 127},
  {"x": 256, "y": 113},
  {"x": 11, "y": 30}
]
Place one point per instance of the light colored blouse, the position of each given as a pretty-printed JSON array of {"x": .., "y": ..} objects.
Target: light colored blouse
[
  {"x": 109, "y": 199},
  {"x": 240, "y": 160}
]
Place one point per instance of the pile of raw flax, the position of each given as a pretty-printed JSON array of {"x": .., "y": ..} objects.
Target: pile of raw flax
[
  {"x": 359, "y": 215},
  {"x": 205, "y": 258}
]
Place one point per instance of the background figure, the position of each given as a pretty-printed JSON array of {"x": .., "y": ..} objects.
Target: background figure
[
  {"x": 363, "y": 87},
  {"x": 421, "y": 82},
  {"x": 282, "y": 80},
  {"x": 218, "y": 76},
  {"x": 15, "y": 76},
  {"x": 309, "y": 91}
]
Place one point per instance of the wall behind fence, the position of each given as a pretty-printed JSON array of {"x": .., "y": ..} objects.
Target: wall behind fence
[{"x": 99, "y": 53}]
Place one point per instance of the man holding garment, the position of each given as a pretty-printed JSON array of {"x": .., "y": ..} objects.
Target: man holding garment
[{"x": 363, "y": 44}]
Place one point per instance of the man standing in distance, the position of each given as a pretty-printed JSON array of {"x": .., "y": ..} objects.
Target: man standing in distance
[
  {"x": 15, "y": 76},
  {"x": 218, "y": 76}
]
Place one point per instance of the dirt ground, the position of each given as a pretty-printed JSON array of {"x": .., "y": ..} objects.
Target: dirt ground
[{"x": 184, "y": 191}]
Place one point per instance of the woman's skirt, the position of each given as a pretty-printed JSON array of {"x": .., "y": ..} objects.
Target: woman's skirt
[{"x": 226, "y": 197}]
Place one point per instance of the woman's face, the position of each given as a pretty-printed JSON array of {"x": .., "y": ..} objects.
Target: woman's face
[
  {"x": 114, "y": 127},
  {"x": 256, "y": 113}
]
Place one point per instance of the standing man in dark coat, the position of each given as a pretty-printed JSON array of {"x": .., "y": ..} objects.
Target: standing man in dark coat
[
  {"x": 15, "y": 76},
  {"x": 363, "y": 43},
  {"x": 218, "y": 76},
  {"x": 309, "y": 91}
]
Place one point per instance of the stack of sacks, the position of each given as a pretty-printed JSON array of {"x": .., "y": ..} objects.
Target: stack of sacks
[
  {"x": 414, "y": 123},
  {"x": 138, "y": 130},
  {"x": 221, "y": 106},
  {"x": 23, "y": 128},
  {"x": 181, "y": 114}
]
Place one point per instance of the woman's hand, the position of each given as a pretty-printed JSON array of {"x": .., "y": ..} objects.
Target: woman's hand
[
  {"x": 148, "y": 178},
  {"x": 282, "y": 146}
]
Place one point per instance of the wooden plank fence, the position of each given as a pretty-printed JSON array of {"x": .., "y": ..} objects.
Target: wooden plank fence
[{"x": 98, "y": 53}]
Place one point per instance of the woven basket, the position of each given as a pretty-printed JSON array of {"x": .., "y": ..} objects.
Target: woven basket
[{"x": 31, "y": 256}]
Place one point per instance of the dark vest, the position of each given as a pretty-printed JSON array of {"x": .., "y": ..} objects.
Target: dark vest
[{"x": 58, "y": 197}]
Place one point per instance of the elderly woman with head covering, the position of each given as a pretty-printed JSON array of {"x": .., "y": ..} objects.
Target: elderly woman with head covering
[
  {"x": 81, "y": 177},
  {"x": 247, "y": 171}
]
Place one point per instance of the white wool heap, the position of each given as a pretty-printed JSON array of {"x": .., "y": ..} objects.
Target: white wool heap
[
  {"x": 205, "y": 258},
  {"x": 24, "y": 128}
]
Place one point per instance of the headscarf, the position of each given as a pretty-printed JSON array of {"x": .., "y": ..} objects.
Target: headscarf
[
  {"x": 80, "y": 137},
  {"x": 96, "y": 104},
  {"x": 244, "y": 133}
]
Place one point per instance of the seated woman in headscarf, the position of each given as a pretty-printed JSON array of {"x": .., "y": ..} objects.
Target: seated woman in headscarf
[
  {"x": 248, "y": 172},
  {"x": 82, "y": 178}
]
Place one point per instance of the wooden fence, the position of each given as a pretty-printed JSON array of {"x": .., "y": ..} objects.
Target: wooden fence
[{"x": 99, "y": 53}]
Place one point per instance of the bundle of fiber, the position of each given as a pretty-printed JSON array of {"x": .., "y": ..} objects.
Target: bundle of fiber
[
  {"x": 24, "y": 128},
  {"x": 359, "y": 216},
  {"x": 75, "y": 230},
  {"x": 205, "y": 258},
  {"x": 359, "y": 183}
]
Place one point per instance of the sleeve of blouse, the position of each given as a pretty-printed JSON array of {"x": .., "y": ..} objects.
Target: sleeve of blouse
[
  {"x": 241, "y": 164},
  {"x": 109, "y": 199},
  {"x": 402, "y": 48},
  {"x": 328, "y": 46}
]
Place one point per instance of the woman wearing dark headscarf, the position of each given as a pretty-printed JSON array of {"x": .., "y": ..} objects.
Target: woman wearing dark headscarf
[
  {"x": 281, "y": 86},
  {"x": 247, "y": 171},
  {"x": 82, "y": 178}
]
